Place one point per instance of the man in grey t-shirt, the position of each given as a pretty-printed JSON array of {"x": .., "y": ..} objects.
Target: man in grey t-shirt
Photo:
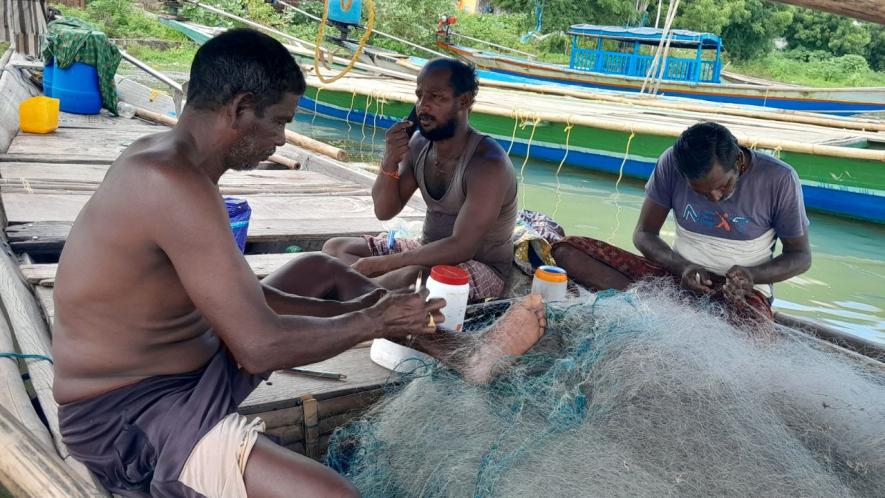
[{"x": 731, "y": 205}]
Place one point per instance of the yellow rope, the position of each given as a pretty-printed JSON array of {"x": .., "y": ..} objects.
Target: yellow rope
[
  {"x": 528, "y": 151},
  {"x": 317, "y": 54},
  {"x": 365, "y": 118},
  {"x": 515, "y": 115},
  {"x": 350, "y": 110},
  {"x": 378, "y": 98},
  {"x": 316, "y": 102},
  {"x": 617, "y": 190},
  {"x": 558, "y": 196}
]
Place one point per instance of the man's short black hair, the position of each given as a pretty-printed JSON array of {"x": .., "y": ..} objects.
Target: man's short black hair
[
  {"x": 462, "y": 76},
  {"x": 239, "y": 61},
  {"x": 701, "y": 144}
]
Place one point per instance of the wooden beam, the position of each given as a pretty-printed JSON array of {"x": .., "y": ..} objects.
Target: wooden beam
[{"x": 867, "y": 10}]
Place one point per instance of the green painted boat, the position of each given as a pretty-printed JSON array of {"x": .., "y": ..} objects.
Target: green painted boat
[{"x": 842, "y": 171}]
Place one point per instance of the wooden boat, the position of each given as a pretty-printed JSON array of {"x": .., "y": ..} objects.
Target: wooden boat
[
  {"x": 617, "y": 60},
  {"x": 838, "y": 160},
  {"x": 45, "y": 172},
  {"x": 48, "y": 177}
]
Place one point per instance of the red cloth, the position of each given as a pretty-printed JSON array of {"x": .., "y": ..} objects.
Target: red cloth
[{"x": 636, "y": 267}]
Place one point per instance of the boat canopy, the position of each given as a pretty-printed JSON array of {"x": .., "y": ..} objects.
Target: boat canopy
[
  {"x": 627, "y": 58},
  {"x": 649, "y": 36}
]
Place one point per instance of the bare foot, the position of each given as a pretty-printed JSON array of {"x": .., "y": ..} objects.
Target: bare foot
[{"x": 512, "y": 335}]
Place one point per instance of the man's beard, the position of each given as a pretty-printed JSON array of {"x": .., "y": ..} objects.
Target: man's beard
[
  {"x": 443, "y": 132},
  {"x": 241, "y": 156}
]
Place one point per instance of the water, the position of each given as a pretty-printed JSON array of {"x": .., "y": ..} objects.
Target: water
[{"x": 845, "y": 287}]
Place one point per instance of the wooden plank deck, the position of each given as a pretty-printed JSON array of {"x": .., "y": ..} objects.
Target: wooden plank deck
[{"x": 46, "y": 179}]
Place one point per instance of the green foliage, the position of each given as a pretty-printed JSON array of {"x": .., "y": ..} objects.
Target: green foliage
[
  {"x": 175, "y": 59},
  {"x": 816, "y": 68},
  {"x": 877, "y": 48},
  {"x": 411, "y": 20},
  {"x": 503, "y": 29},
  {"x": 121, "y": 19},
  {"x": 747, "y": 27},
  {"x": 560, "y": 14},
  {"x": 255, "y": 10},
  {"x": 813, "y": 30}
]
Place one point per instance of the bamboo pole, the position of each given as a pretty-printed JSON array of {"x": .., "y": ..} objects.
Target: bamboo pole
[
  {"x": 32, "y": 335},
  {"x": 775, "y": 115},
  {"x": 640, "y": 128},
  {"x": 292, "y": 137},
  {"x": 28, "y": 468},
  {"x": 13, "y": 395}
]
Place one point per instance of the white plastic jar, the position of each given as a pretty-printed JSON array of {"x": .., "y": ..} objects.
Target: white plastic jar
[
  {"x": 452, "y": 284},
  {"x": 551, "y": 282}
]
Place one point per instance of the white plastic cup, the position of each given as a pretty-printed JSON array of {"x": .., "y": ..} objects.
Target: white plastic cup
[
  {"x": 551, "y": 282},
  {"x": 452, "y": 284}
]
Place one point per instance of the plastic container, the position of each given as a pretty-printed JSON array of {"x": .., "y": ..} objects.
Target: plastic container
[
  {"x": 77, "y": 89},
  {"x": 345, "y": 11},
  {"x": 125, "y": 110},
  {"x": 239, "y": 212},
  {"x": 452, "y": 284},
  {"x": 38, "y": 115},
  {"x": 551, "y": 282},
  {"x": 398, "y": 358},
  {"x": 48, "y": 74}
]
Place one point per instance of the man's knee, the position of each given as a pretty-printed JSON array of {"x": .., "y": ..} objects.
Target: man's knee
[{"x": 338, "y": 246}]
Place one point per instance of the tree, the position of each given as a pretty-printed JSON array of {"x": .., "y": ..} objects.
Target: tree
[
  {"x": 813, "y": 30},
  {"x": 747, "y": 27},
  {"x": 877, "y": 48},
  {"x": 560, "y": 14}
]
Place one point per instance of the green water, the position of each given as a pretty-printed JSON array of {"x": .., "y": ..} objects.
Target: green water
[{"x": 845, "y": 287}]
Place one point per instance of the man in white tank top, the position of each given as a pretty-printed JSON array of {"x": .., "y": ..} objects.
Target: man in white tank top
[
  {"x": 731, "y": 205},
  {"x": 466, "y": 180}
]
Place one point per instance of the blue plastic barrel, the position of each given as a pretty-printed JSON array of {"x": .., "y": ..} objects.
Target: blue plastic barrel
[
  {"x": 345, "y": 11},
  {"x": 239, "y": 212},
  {"x": 77, "y": 89},
  {"x": 48, "y": 73}
]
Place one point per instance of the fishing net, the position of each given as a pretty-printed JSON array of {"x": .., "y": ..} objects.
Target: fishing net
[{"x": 629, "y": 394}]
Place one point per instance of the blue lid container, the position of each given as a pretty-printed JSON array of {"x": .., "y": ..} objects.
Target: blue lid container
[
  {"x": 48, "y": 73},
  {"x": 345, "y": 11},
  {"x": 239, "y": 212},
  {"x": 77, "y": 89}
]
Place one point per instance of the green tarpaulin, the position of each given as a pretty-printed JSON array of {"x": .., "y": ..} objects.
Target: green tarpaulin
[{"x": 72, "y": 40}]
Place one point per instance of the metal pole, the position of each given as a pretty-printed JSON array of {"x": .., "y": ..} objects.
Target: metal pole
[
  {"x": 502, "y": 47},
  {"x": 375, "y": 31},
  {"x": 250, "y": 23},
  {"x": 177, "y": 90}
]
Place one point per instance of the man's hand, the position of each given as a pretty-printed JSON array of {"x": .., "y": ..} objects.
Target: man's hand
[
  {"x": 374, "y": 266},
  {"x": 738, "y": 283},
  {"x": 404, "y": 313},
  {"x": 697, "y": 279},
  {"x": 396, "y": 145}
]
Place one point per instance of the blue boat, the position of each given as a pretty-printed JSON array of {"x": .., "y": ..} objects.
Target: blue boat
[{"x": 617, "y": 58}]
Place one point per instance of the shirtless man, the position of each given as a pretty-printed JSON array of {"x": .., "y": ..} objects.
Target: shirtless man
[
  {"x": 161, "y": 327},
  {"x": 466, "y": 180}
]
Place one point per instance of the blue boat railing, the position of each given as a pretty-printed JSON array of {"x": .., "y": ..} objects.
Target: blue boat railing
[{"x": 627, "y": 64}]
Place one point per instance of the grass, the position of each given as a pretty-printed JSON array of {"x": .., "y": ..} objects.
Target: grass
[
  {"x": 846, "y": 71},
  {"x": 3, "y": 46},
  {"x": 175, "y": 59}
]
